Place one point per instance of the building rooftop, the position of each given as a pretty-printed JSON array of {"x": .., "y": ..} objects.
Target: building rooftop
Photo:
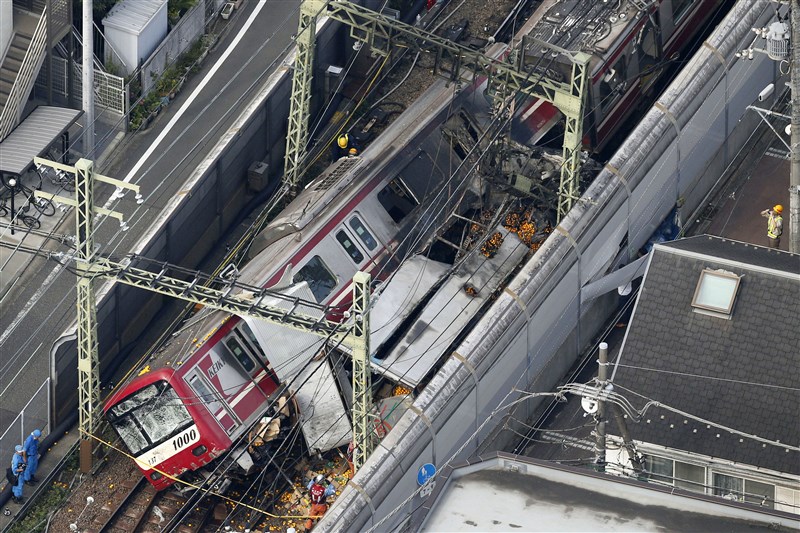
[
  {"x": 132, "y": 15},
  {"x": 740, "y": 370},
  {"x": 510, "y": 493}
]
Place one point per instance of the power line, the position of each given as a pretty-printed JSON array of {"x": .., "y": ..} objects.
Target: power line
[{"x": 714, "y": 378}]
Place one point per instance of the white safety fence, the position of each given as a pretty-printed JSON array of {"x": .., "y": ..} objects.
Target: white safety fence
[
  {"x": 110, "y": 92},
  {"x": 35, "y": 415}
]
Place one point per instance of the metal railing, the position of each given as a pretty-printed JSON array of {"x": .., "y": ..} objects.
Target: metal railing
[
  {"x": 26, "y": 77},
  {"x": 35, "y": 415}
]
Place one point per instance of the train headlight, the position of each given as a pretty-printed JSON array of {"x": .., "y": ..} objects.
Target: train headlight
[
  {"x": 199, "y": 450},
  {"x": 155, "y": 476}
]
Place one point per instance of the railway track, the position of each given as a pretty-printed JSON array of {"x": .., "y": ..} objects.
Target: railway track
[{"x": 141, "y": 509}]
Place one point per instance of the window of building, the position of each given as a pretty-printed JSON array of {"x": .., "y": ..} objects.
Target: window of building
[
  {"x": 729, "y": 487},
  {"x": 683, "y": 475},
  {"x": 349, "y": 247},
  {"x": 363, "y": 233},
  {"x": 690, "y": 477},
  {"x": 318, "y": 276},
  {"x": 659, "y": 469},
  {"x": 759, "y": 493},
  {"x": 716, "y": 291},
  {"x": 397, "y": 199}
]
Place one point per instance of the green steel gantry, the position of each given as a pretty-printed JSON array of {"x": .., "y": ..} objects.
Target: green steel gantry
[
  {"x": 248, "y": 302},
  {"x": 363, "y": 442},
  {"x": 88, "y": 379},
  {"x": 382, "y": 33}
]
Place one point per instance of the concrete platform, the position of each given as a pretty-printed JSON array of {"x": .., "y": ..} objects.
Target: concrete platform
[{"x": 735, "y": 214}]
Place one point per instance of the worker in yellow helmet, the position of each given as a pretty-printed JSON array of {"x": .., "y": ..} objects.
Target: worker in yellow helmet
[
  {"x": 353, "y": 151},
  {"x": 774, "y": 225},
  {"x": 343, "y": 141}
]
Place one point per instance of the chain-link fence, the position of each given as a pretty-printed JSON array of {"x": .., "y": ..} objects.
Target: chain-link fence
[{"x": 35, "y": 415}]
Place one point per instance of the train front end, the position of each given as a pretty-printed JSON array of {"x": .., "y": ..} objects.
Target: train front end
[{"x": 162, "y": 429}]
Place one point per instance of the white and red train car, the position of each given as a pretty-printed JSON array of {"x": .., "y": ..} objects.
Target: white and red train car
[
  {"x": 631, "y": 43},
  {"x": 214, "y": 379}
]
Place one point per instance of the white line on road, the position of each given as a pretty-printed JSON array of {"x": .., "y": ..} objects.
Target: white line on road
[
  {"x": 45, "y": 286},
  {"x": 191, "y": 98}
]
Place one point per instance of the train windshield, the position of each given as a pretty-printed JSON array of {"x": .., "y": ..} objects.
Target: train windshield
[{"x": 149, "y": 417}]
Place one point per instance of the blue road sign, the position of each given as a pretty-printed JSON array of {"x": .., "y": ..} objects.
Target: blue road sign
[{"x": 426, "y": 472}]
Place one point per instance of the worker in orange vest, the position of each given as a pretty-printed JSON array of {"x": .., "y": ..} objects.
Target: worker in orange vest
[{"x": 319, "y": 494}]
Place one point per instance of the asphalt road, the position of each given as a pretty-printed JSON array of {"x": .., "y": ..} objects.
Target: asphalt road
[{"x": 42, "y": 306}]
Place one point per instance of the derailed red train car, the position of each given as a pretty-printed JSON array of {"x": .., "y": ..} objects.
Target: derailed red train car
[{"x": 215, "y": 379}]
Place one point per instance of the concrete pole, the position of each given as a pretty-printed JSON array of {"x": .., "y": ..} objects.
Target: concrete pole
[
  {"x": 88, "y": 79},
  {"x": 600, "y": 426},
  {"x": 794, "y": 176}
]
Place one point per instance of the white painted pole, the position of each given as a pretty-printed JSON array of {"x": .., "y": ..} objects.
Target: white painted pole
[{"x": 88, "y": 80}]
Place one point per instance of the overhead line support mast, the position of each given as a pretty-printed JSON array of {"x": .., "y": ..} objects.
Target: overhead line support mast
[
  {"x": 382, "y": 34},
  {"x": 246, "y": 302}
]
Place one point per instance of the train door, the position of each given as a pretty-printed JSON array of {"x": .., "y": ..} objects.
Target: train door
[
  {"x": 206, "y": 397},
  {"x": 648, "y": 49},
  {"x": 244, "y": 345},
  {"x": 243, "y": 354}
]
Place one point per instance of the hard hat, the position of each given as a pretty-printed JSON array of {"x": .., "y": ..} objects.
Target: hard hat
[
  {"x": 353, "y": 151},
  {"x": 319, "y": 478},
  {"x": 36, "y": 433},
  {"x": 778, "y": 209},
  {"x": 18, "y": 448},
  {"x": 343, "y": 141}
]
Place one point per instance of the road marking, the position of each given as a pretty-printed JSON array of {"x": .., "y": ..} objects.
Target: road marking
[{"x": 191, "y": 98}]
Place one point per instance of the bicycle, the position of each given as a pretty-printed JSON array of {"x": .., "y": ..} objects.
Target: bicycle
[
  {"x": 20, "y": 214},
  {"x": 57, "y": 177}
]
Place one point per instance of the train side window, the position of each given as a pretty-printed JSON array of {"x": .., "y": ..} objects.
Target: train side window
[
  {"x": 349, "y": 247},
  {"x": 363, "y": 233},
  {"x": 318, "y": 276},
  {"x": 253, "y": 342},
  {"x": 614, "y": 83},
  {"x": 679, "y": 8},
  {"x": 241, "y": 355},
  {"x": 397, "y": 199},
  {"x": 204, "y": 394},
  {"x": 648, "y": 48}
]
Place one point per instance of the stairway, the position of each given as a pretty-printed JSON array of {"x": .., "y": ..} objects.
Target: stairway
[{"x": 11, "y": 64}]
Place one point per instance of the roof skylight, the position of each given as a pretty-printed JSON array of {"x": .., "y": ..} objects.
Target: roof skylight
[{"x": 716, "y": 291}]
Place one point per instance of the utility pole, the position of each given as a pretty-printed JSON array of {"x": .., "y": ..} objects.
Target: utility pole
[
  {"x": 600, "y": 417},
  {"x": 88, "y": 78},
  {"x": 362, "y": 373},
  {"x": 794, "y": 174}
]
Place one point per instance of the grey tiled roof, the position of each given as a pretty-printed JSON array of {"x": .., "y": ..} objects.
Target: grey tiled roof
[{"x": 755, "y": 356}]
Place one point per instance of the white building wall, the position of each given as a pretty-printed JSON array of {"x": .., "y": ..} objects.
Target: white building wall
[
  {"x": 152, "y": 34},
  {"x": 126, "y": 46}
]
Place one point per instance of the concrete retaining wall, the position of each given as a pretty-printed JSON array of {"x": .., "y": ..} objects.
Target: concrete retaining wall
[{"x": 191, "y": 226}]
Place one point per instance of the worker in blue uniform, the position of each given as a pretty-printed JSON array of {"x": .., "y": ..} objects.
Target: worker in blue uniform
[
  {"x": 18, "y": 467},
  {"x": 31, "y": 448}
]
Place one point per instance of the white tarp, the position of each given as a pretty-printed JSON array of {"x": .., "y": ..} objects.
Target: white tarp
[{"x": 323, "y": 416}]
